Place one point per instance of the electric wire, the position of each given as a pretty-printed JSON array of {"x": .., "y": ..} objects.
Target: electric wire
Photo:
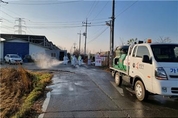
[
  {"x": 101, "y": 10},
  {"x": 6, "y": 20},
  {"x": 91, "y": 9},
  {"x": 28, "y": 29},
  {"x": 41, "y": 2},
  {"x": 58, "y": 27},
  {"x": 12, "y": 11},
  {"x": 98, "y": 35},
  {"x": 53, "y": 22},
  {"x": 126, "y": 8},
  {"x": 96, "y": 32},
  {"x": 8, "y": 14}
]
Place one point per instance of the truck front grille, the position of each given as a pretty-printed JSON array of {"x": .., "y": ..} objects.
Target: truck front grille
[{"x": 174, "y": 90}]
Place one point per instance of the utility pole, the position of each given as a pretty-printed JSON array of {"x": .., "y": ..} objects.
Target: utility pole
[
  {"x": 74, "y": 46},
  {"x": 20, "y": 26},
  {"x": 79, "y": 40},
  {"x": 112, "y": 33},
  {"x": 0, "y": 26},
  {"x": 85, "y": 34},
  {"x": 111, "y": 25}
]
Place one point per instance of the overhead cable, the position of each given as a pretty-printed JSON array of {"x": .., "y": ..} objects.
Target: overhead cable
[
  {"x": 8, "y": 14},
  {"x": 98, "y": 35},
  {"x": 101, "y": 10},
  {"x": 126, "y": 8},
  {"x": 41, "y": 2},
  {"x": 92, "y": 8}
]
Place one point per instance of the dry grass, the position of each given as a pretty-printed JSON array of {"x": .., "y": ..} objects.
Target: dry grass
[
  {"x": 14, "y": 84},
  {"x": 18, "y": 90}
]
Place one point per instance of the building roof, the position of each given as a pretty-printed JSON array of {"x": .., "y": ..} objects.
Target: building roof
[{"x": 35, "y": 39}]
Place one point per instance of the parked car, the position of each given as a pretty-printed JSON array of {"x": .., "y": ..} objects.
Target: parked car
[
  {"x": 13, "y": 59},
  {"x": 28, "y": 58}
]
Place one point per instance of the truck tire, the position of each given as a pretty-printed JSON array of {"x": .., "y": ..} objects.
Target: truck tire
[
  {"x": 140, "y": 91},
  {"x": 118, "y": 79}
]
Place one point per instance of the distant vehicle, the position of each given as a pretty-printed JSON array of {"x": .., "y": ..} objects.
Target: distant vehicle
[{"x": 13, "y": 59}]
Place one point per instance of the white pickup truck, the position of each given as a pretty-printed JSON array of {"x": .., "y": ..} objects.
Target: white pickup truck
[{"x": 150, "y": 68}]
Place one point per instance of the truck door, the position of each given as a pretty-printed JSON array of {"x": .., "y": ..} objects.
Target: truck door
[{"x": 143, "y": 70}]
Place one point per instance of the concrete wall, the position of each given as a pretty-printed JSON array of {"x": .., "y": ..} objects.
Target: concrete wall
[
  {"x": 54, "y": 54},
  {"x": 37, "y": 52},
  {"x": 1, "y": 50}
]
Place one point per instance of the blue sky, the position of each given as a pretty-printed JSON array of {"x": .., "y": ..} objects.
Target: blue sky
[{"x": 60, "y": 21}]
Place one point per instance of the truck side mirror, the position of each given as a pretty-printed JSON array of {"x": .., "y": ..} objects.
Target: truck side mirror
[{"x": 146, "y": 59}]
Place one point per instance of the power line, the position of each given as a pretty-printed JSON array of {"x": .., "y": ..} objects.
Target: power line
[
  {"x": 12, "y": 11},
  {"x": 53, "y": 22},
  {"x": 96, "y": 32},
  {"x": 96, "y": 22},
  {"x": 6, "y": 20},
  {"x": 98, "y": 35},
  {"x": 92, "y": 8},
  {"x": 126, "y": 8},
  {"x": 101, "y": 10},
  {"x": 43, "y": 22},
  {"x": 8, "y": 14},
  {"x": 100, "y": 19},
  {"x": 42, "y": 27},
  {"x": 28, "y": 29},
  {"x": 61, "y": 26},
  {"x": 41, "y": 2},
  {"x": 98, "y": 25},
  {"x": 5, "y": 26},
  {"x": 51, "y": 25}
]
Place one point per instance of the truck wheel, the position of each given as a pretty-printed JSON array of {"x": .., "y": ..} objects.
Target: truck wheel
[
  {"x": 140, "y": 91},
  {"x": 118, "y": 79}
]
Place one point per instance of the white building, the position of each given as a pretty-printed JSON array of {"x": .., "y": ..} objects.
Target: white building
[{"x": 38, "y": 47}]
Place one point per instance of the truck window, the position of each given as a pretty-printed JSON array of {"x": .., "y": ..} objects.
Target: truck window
[
  {"x": 130, "y": 49},
  {"x": 142, "y": 50},
  {"x": 165, "y": 53},
  {"x": 134, "y": 51}
]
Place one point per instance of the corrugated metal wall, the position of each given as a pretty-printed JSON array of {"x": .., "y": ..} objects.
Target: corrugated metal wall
[{"x": 19, "y": 48}]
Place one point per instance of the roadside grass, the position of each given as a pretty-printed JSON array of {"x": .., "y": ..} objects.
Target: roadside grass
[{"x": 19, "y": 90}]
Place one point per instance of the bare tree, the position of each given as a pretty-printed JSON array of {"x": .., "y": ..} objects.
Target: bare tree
[
  {"x": 164, "y": 40},
  {"x": 132, "y": 41},
  {"x": 76, "y": 53}
]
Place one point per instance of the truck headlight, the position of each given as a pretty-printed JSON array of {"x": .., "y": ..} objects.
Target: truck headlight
[{"x": 160, "y": 73}]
